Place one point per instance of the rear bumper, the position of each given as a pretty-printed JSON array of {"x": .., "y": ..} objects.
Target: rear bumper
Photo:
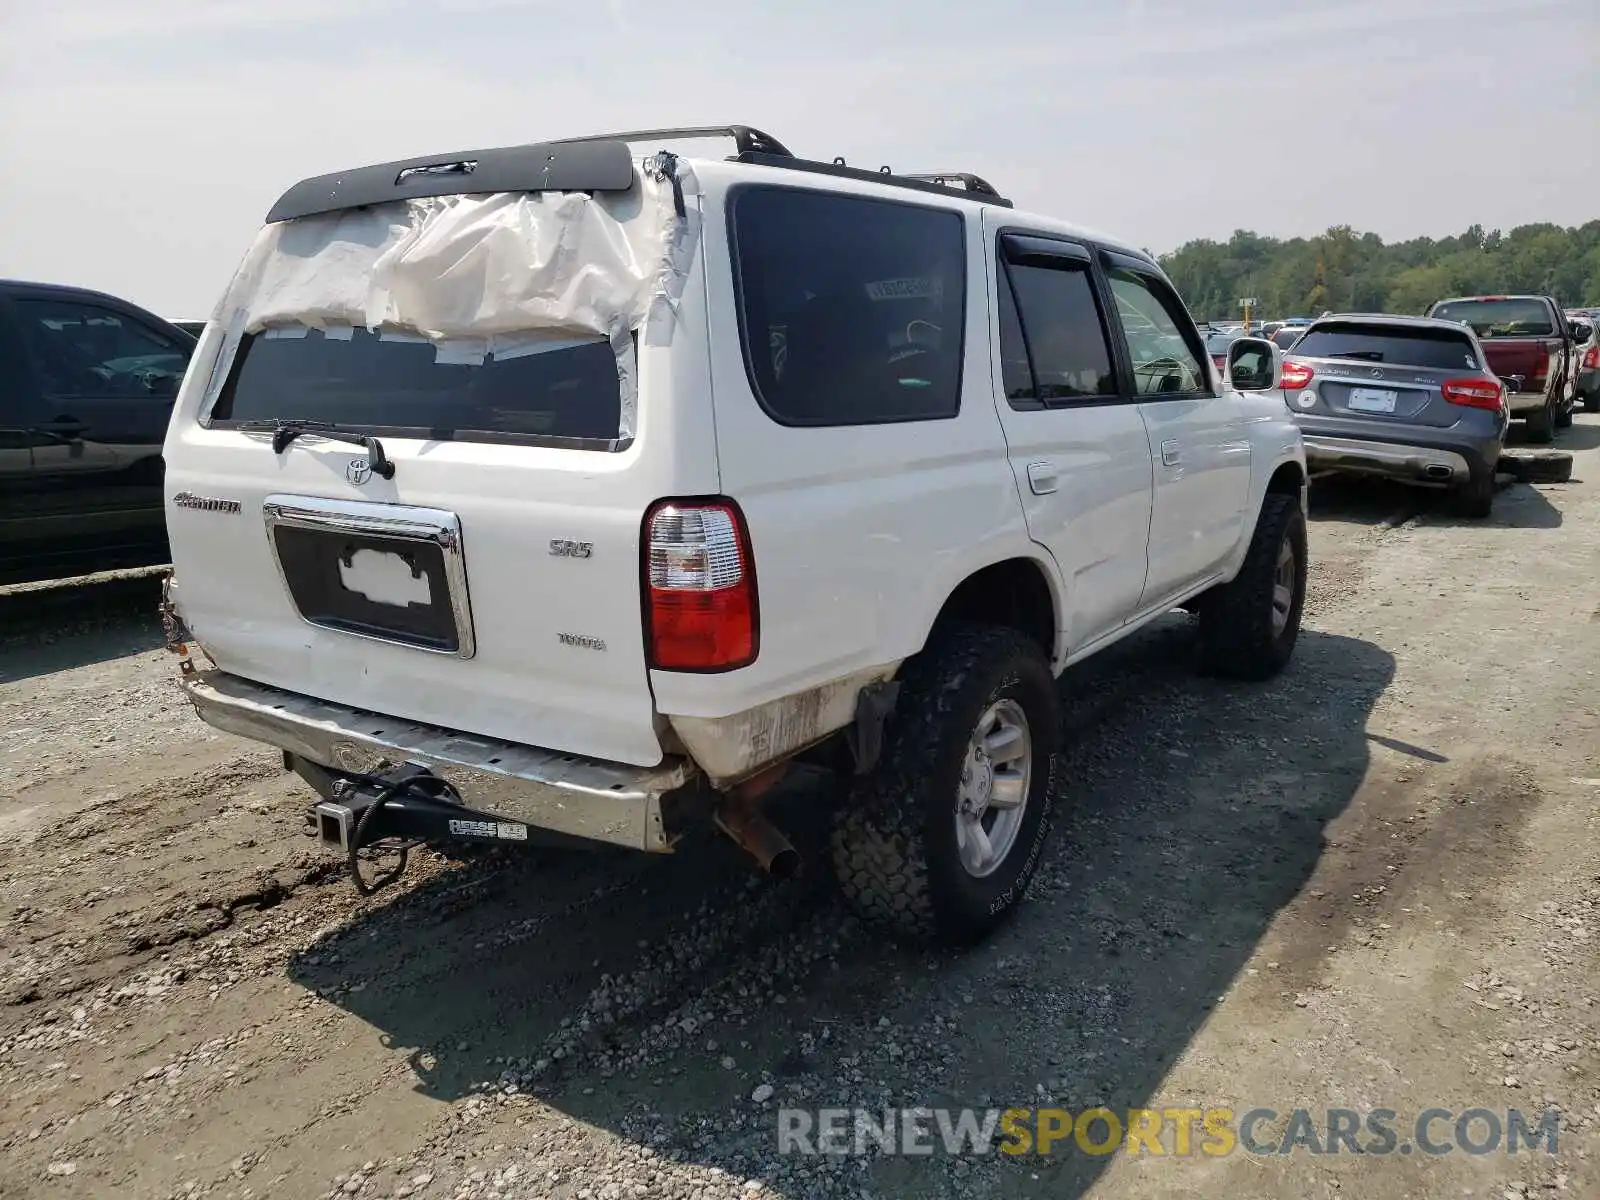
[
  {"x": 1425, "y": 464},
  {"x": 585, "y": 798},
  {"x": 1525, "y": 402},
  {"x": 1447, "y": 457}
]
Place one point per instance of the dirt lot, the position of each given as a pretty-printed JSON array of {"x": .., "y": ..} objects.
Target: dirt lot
[{"x": 1374, "y": 883}]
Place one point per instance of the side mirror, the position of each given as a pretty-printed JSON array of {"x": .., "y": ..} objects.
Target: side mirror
[
  {"x": 1254, "y": 365},
  {"x": 1581, "y": 332}
]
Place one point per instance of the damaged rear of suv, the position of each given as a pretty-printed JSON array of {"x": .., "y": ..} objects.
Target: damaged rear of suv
[{"x": 568, "y": 492}]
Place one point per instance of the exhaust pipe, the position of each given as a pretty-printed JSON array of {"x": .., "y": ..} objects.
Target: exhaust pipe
[
  {"x": 1437, "y": 471},
  {"x": 739, "y": 816}
]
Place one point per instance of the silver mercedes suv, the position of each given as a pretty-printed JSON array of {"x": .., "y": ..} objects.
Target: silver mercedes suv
[{"x": 1408, "y": 398}]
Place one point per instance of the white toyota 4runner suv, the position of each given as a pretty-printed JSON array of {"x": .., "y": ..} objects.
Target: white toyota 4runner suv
[{"x": 573, "y": 491}]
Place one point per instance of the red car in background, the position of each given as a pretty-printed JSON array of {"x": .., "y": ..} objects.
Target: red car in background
[{"x": 1528, "y": 342}]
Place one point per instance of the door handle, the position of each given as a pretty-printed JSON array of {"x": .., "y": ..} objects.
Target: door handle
[
  {"x": 1042, "y": 478},
  {"x": 1170, "y": 454},
  {"x": 63, "y": 427}
]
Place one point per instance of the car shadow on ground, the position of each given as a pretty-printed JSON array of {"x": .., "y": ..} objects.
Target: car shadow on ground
[
  {"x": 650, "y": 996},
  {"x": 1382, "y": 503},
  {"x": 57, "y": 629},
  {"x": 1583, "y": 435}
]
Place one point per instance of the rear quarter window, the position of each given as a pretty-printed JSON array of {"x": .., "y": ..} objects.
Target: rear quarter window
[
  {"x": 850, "y": 308},
  {"x": 1435, "y": 349}
]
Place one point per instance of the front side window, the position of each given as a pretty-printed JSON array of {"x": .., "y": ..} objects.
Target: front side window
[
  {"x": 1053, "y": 343},
  {"x": 85, "y": 351},
  {"x": 850, "y": 309},
  {"x": 1163, "y": 363}
]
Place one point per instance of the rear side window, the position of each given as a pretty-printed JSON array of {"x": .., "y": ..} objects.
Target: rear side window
[
  {"x": 404, "y": 385},
  {"x": 1052, "y": 341},
  {"x": 850, "y": 309},
  {"x": 1499, "y": 318},
  {"x": 1436, "y": 349}
]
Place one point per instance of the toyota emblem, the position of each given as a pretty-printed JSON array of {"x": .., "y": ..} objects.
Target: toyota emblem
[{"x": 358, "y": 471}]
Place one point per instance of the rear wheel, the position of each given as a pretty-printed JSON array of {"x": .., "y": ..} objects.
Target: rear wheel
[
  {"x": 1541, "y": 425},
  {"x": 940, "y": 841},
  {"x": 1475, "y": 498},
  {"x": 1248, "y": 627},
  {"x": 1591, "y": 401}
]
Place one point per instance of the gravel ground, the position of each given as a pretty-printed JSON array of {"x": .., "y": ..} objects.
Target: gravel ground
[{"x": 1374, "y": 882}]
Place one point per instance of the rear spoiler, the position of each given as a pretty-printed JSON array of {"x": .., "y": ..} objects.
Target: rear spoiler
[{"x": 600, "y": 165}]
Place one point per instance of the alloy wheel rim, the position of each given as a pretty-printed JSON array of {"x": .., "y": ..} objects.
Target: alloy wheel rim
[
  {"x": 1283, "y": 583},
  {"x": 993, "y": 797}
]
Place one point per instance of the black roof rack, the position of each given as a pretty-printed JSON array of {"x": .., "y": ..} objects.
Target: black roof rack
[
  {"x": 600, "y": 162},
  {"x": 966, "y": 180},
  {"x": 746, "y": 138},
  {"x": 970, "y": 186}
]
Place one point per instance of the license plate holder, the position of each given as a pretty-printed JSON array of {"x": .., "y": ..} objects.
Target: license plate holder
[
  {"x": 391, "y": 573},
  {"x": 1372, "y": 400}
]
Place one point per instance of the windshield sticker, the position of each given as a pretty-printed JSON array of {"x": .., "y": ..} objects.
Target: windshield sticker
[{"x": 913, "y": 288}]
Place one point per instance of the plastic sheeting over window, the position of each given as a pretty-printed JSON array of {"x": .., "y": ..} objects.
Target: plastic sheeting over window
[{"x": 475, "y": 275}]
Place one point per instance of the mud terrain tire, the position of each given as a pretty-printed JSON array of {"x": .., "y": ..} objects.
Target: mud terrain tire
[{"x": 896, "y": 848}]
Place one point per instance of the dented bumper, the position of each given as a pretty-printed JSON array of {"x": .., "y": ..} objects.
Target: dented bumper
[
  {"x": 564, "y": 793},
  {"x": 731, "y": 749}
]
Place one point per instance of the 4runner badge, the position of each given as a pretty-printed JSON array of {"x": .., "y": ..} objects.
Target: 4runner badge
[{"x": 205, "y": 503}]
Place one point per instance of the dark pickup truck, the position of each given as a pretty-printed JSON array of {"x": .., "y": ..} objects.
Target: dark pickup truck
[
  {"x": 87, "y": 383},
  {"x": 1528, "y": 342}
]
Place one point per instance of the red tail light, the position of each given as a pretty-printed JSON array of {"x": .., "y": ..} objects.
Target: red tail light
[
  {"x": 1473, "y": 393},
  {"x": 699, "y": 586},
  {"x": 1296, "y": 376},
  {"x": 1591, "y": 358}
]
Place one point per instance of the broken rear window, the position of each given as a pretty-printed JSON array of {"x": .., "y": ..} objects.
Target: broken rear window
[{"x": 403, "y": 385}]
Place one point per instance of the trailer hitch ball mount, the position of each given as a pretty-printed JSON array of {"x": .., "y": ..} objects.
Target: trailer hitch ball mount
[{"x": 415, "y": 805}]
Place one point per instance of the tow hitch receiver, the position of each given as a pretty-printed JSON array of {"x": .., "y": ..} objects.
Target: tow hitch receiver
[{"x": 395, "y": 810}]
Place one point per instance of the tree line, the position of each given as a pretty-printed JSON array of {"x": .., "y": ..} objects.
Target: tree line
[{"x": 1345, "y": 271}]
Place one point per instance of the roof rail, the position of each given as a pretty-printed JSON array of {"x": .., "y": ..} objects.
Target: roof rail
[
  {"x": 970, "y": 186},
  {"x": 962, "y": 179},
  {"x": 746, "y": 138}
]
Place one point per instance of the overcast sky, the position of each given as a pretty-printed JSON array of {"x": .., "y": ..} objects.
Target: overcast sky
[{"x": 142, "y": 141}]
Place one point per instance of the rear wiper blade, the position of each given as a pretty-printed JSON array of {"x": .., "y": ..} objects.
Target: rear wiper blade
[{"x": 284, "y": 432}]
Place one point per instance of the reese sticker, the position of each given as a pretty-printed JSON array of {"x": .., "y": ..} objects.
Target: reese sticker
[
  {"x": 508, "y": 831},
  {"x": 916, "y": 287}
]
